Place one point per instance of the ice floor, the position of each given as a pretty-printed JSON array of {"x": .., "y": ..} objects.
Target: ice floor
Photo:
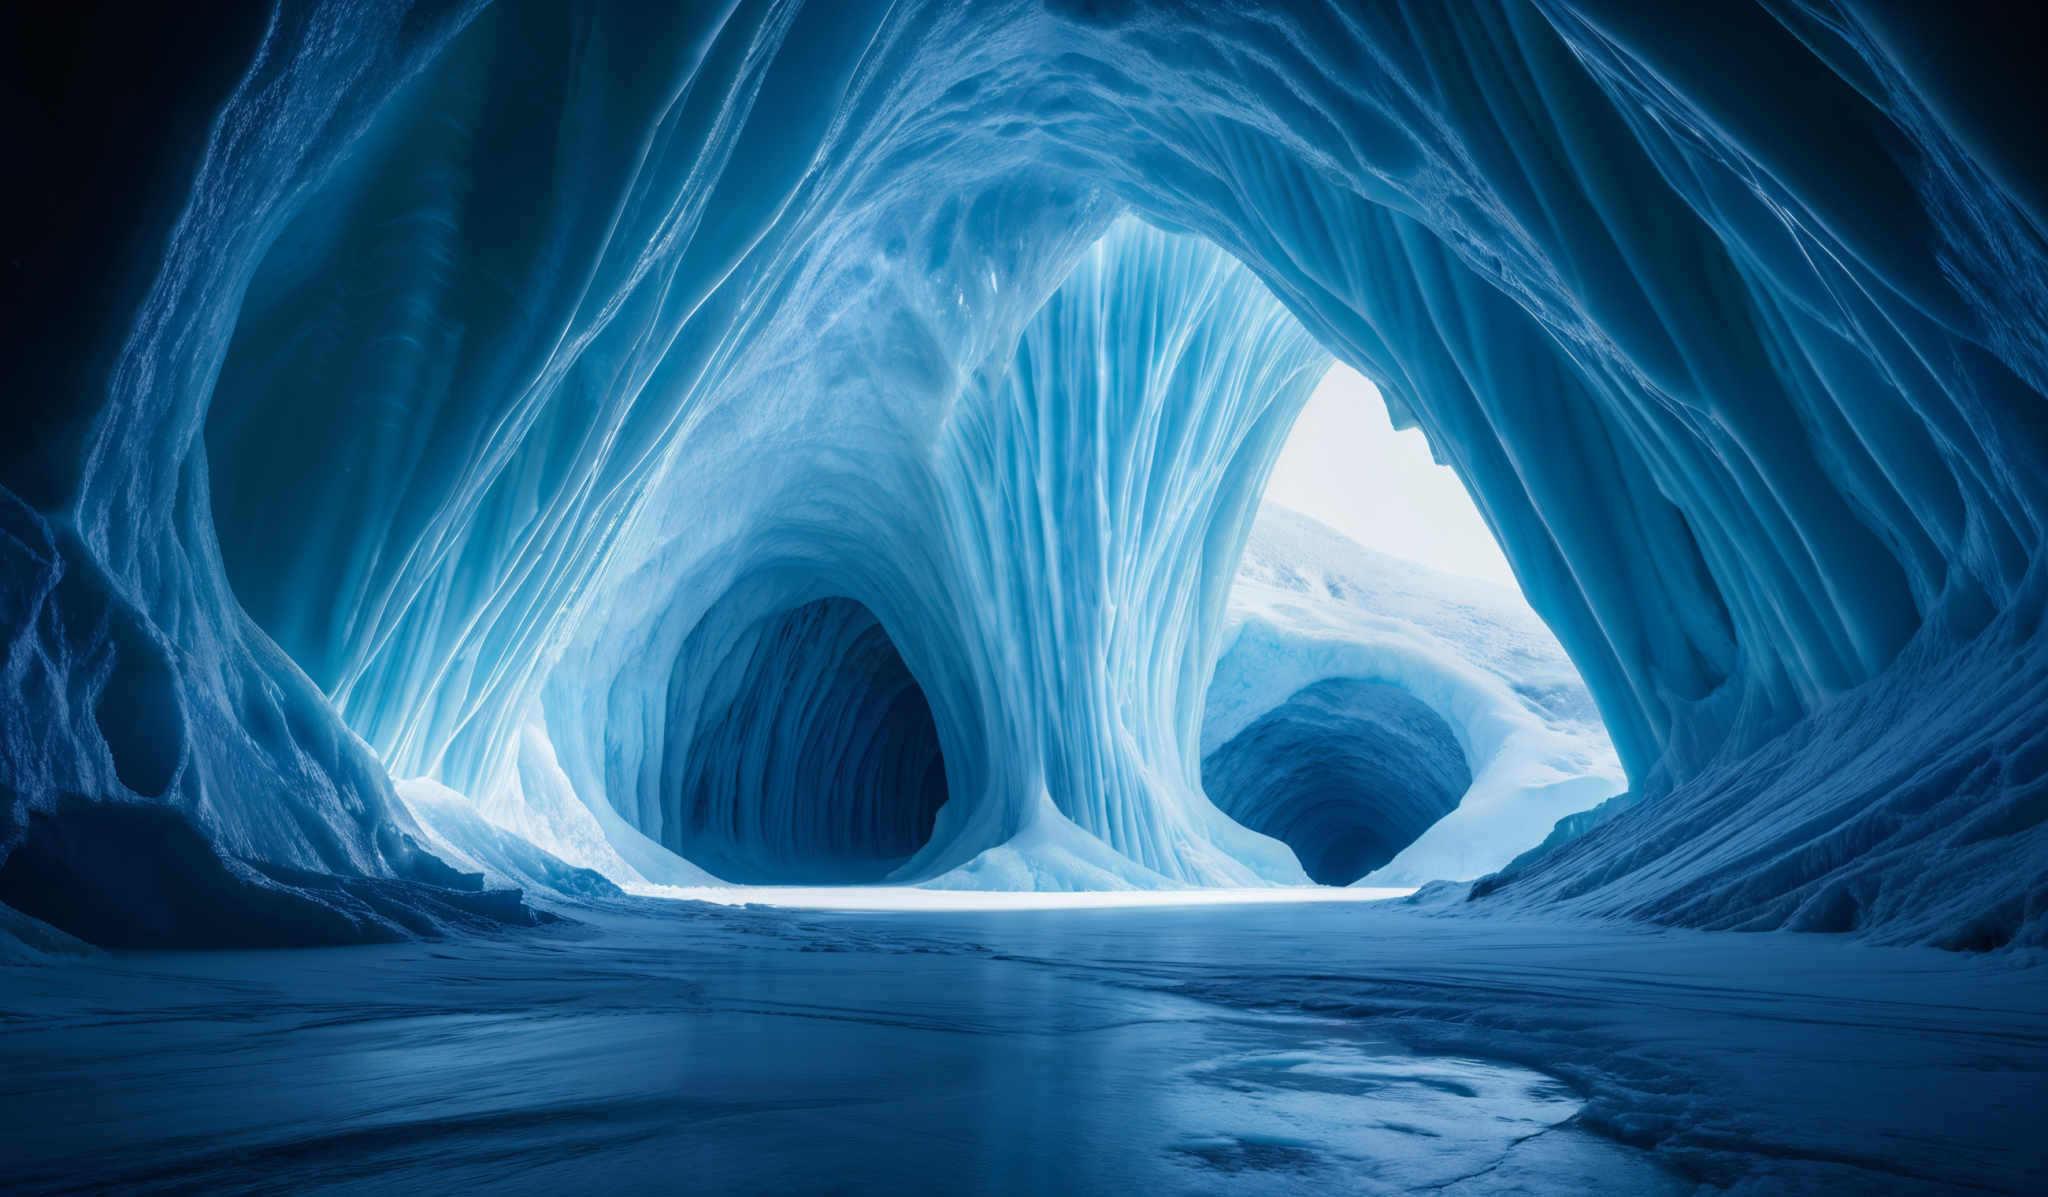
[{"x": 1240, "y": 1048}]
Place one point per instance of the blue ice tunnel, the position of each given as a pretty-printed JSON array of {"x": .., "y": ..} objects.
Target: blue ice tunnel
[
  {"x": 794, "y": 746},
  {"x": 1740, "y": 351}
]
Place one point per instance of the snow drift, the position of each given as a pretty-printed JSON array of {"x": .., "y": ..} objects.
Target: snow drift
[{"x": 404, "y": 383}]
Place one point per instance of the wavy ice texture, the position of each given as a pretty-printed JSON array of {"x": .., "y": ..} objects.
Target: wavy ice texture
[
  {"x": 1096, "y": 497},
  {"x": 1422, "y": 726},
  {"x": 476, "y": 351}
]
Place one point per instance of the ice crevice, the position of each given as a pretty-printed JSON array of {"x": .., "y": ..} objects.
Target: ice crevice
[{"x": 807, "y": 440}]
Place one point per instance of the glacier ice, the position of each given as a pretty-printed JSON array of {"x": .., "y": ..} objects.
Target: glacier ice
[
  {"x": 982, "y": 649},
  {"x": 408, "y": 383}
]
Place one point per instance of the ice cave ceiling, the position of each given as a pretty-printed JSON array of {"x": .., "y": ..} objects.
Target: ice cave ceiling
[{"x": 643, "y": 419}]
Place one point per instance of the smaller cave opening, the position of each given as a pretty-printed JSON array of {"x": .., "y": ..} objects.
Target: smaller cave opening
[
  {"x": 1371, "y": 599},
  {"x": 137, "y": 709},
  {"x": 814, "y": 758},
  {"x": 1347, "y": 772}
]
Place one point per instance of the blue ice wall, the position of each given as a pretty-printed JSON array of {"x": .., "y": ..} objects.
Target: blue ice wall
[
  {"x": 449, "y": 361},
  {"x": 1095, "y": 495}
]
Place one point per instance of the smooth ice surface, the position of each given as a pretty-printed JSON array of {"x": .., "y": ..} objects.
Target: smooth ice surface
[
  {"x": 927, "y": 898},
  {"x": 1344, "y": 1048}
]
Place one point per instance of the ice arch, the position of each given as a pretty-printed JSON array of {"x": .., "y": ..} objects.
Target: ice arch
[
  {"x": 1347, "y": 772},
  {"x": 1052, "y": 565},
  {"x": 1732, "y": 323}
]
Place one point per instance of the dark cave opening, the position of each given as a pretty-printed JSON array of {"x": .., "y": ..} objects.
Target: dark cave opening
[
  {"x": 813, "y": 757},
  {"x": 1347, "y": 772}
]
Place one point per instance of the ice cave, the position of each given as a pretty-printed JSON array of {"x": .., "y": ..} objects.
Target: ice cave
[{"x": 1005, "y": 596}]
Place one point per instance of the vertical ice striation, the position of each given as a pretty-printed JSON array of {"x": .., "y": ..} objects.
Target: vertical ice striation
[
  {"x": 1045, "y": 578},
  {"x": 1095, "y": 493},
  {"x": 813, "y": 756}
]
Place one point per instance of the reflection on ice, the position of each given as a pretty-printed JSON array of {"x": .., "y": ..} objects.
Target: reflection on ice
[
  {"x": 1351, "y": 1115},
  {"x": 1250, "y": 1048},
  {"x": 747, "y": 1051}
]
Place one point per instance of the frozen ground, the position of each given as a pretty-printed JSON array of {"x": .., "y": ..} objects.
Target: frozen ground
[{"x": 1254, "y": 1048}]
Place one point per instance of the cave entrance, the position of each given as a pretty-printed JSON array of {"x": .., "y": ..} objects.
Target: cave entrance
[
  {"x": 1347, "y": 772},
  {"x": 1376, "y": 623},
  {"x": 814, "y": 758},
  {"x": 1347, "y": 464}
]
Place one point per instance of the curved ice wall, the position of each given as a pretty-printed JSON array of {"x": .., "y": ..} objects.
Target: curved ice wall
[
  {"x": 460, "y": 331},
  {"x": 799, "y": 748}
]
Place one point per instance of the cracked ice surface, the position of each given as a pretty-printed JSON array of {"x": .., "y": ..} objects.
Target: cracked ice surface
[{"x": 1345, "y": 1048}]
